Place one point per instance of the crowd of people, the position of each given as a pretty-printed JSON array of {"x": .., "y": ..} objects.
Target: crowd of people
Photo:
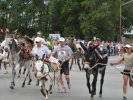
[{"x": 63, "y": 49}]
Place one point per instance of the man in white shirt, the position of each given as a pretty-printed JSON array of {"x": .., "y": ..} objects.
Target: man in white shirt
[{"x": 39, "y": 49}]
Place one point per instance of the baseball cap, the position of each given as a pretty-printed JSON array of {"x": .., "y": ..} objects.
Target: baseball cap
[
  {"x": 128, "y": 46},
  {"x": 39, "y": 33},
  {"x": 61, "y": 39},
  {"x": 37, "y": 39}
]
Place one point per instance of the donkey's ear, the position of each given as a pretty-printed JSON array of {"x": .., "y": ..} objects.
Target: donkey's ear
[
  {"x": 15, "y": 31},
  {"x": 7, "y": 30}
]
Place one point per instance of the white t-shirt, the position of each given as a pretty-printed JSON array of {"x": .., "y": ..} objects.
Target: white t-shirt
[
  {"x": 128, "y": 60},
  {"x": 40, "y": 51}
]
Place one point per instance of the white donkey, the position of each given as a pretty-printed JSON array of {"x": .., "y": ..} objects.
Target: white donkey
[{"x": 47, "y": 72}]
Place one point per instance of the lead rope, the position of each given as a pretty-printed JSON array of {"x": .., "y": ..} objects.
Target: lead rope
[
  {"x": 96, "y": 65},
  {"x": 131, "y": 72}
]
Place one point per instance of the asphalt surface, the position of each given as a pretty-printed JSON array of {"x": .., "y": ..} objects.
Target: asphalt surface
[{"x": 112, "y": 89}]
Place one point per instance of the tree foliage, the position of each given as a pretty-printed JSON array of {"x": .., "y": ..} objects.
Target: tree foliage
[{"x": 89, "y": 18}]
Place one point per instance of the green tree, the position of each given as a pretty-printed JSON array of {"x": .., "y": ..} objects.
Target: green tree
[
  {"x": 96, "y": 18},
  {"x": 55, "y": 14},
  {"x": 70, "y": 13}
]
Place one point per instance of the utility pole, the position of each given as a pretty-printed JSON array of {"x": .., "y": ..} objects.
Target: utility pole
[{"x": 121, "y": 17}]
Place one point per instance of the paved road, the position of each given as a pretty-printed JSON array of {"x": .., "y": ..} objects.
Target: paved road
[{"x": 112, "y": 89}]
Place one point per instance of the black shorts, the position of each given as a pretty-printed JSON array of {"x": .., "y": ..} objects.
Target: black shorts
[
  {"x": 126, "y": 72},
  {"x": 65, "y": 68}
]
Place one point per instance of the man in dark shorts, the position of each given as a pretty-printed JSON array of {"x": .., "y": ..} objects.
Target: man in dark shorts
[{"x": 63, "y": 53}]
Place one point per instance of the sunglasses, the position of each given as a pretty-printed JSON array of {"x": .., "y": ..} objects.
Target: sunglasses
[{"x": 37, "y": 42}]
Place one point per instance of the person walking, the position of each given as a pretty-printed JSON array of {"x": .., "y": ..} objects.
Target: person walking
[
  {"x": 63, "y": 53},
  {"x": 39, "y": 49},
  {"x": 128, "y": 60},
  {"x": 39, "y": 34}
]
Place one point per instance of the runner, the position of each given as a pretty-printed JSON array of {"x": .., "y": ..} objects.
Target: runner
[
  {"x": 39, "y": 34},
  {"x": 128, "y": 59},
  {"x": 39, "y": 49},
  {"x": 63, "y": 53}
]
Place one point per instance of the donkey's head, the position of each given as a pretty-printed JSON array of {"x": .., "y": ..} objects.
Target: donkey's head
[{"x": 41, "y": 68}]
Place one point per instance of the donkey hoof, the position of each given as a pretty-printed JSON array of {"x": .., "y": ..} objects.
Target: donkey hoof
[
  {"x": 93, "y": 93},
  {"x": 100, "y": 95},
  {"x": 63, "y": 90},
  {"x": 12, "y": 84},
  {"x": 29, "y": 83},
  {"x": 23, "y": 85},
  {"x": 50, "y": 92},
  {"x": 91, "y": 98},
  {"x": 24, "y": 72},
  {"x": 90, "y": 91},
  {"x": 12, "y": 87},
  {"x": 18, "y": 76}
]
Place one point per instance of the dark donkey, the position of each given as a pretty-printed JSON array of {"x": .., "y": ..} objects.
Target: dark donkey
[{"x": 95, "y": 61}]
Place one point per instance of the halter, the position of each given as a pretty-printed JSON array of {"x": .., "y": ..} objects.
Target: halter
[
  {"x": 44, "y": 74},
  {"x": 96, "y": 63}
]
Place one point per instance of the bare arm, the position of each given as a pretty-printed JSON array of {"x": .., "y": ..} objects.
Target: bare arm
[{"x": 118, "y": 62}]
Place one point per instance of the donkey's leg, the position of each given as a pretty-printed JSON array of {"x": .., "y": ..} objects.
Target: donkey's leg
[
  {"x": 72, "y": 60},
  {"x": 82, "y": 61},
  {"x": 78, "y": 62},
  {"x": 88, "y": 82},
  {"x": 49, "y": 84},
  {"x": 0, "y": 64},
  {"x": 29, "y": 71},
  {"x": 37, "y": 82},
  {"x": 25, "y": 66},
  {"x": 24, "y": 70},
  {"x": 102, "y": 81},
  {"x": 30, "y": 80},
  {"x": 57, "y": 76},
  {"x": 75, "y": 59},
  {"x": 19, "y": 72},
  {"x": 20, "y": 68},
  {"x": 94, "y": 82},
  {"x": 50, "y": 88},
  {"x": 13, "y": 76},
  {"x": 23, "y": 84},
  {"x": 44, "y": 89}
]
